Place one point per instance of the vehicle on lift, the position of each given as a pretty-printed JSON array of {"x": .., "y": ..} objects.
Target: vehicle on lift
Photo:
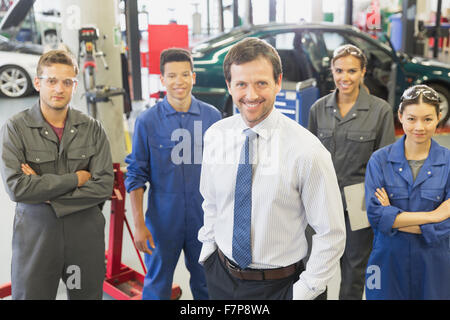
[
  {"x": 23, "y": 23},
  {"x": 306, "y": 51},
  {"x": 18, "y": 62}
]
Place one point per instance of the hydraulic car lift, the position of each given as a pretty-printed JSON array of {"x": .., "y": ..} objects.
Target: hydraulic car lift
[{"x": 122, "y": 282}]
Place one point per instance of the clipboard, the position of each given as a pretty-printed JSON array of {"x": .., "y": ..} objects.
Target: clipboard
[{"x": 356, "y": 206}]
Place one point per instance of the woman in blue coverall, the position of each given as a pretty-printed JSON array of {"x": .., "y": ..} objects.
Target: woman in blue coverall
[{"x": 408, "y": 206}]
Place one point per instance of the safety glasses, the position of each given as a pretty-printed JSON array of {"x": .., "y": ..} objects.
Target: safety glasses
[
  {"x": 414, "y": 92},
  {"x": 348, "y": 49},
  {"x": 52, "y": 82}
]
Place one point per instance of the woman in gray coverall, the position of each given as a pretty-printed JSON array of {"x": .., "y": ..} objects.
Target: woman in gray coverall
[{"x": 352, "y": 124}]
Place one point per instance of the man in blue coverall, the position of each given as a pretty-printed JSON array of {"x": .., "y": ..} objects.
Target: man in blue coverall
[{"x": 167, "y": 153}]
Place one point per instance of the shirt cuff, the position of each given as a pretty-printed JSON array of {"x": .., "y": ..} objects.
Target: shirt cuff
[
  {"x": 208, "y": 248},
  {"x": 302, "y": 291}
]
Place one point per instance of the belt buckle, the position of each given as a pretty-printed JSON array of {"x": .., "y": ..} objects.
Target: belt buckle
[
  {"x": 233, "y": 268},
  {"x": 241, "y": 273}
]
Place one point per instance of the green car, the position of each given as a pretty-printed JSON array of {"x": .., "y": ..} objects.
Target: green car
[{"x": 306, "y": 51}]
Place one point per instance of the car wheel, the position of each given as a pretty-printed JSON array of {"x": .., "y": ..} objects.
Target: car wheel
[
  {"x": 14, "y": 82},
  {"x": 445, "y": 99}
]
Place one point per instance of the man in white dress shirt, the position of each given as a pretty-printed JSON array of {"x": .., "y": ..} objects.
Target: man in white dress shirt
[{"x": 292, "y": 183}]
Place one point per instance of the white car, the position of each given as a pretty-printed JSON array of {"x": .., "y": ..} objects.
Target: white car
[{"x": 18, "y": 62}]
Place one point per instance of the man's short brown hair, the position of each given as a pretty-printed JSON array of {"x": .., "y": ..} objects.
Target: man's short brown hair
[
  {"x": 175, "y": 55},
  {"x": 56, "y": 57},
  {"x": 248, "y": 50}
]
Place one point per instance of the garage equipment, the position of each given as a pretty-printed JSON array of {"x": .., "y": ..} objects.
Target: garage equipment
[
  {"x": 122, "y": 282},
  {"x": 87, "y": 37},
  {"x": 295, "y": 99}
]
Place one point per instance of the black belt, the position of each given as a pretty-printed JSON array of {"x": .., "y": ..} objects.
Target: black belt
[{"x": 260, "y": 274}]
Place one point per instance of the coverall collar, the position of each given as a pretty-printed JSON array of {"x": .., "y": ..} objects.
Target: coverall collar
[
  {"x": 361, "y": 103},
  {"x": 169, "y": 110},
  {"x": 34, "y": 118},
  {"x": 397, "y": 153}
]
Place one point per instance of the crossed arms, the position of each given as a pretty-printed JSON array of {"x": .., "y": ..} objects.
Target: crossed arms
[
  {"x": 67, "y": 193},
  {"x": 410, "y": 221}
]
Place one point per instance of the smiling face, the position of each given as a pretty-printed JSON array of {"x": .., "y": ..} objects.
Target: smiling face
[
  {"x": 348, "y": 74},
  {"x": 254, "y": 89},
  {"x": 53, "y": 90},
  {"x": 419, "y": 122},
  {"x": 178, "y": 79}
]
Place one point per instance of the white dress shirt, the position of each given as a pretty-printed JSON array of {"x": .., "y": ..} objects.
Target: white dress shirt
[{"x": 294, "y": 184}]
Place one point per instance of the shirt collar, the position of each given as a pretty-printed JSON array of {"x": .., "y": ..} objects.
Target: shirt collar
[
  {"x": 169, "y": 110},
  {"x": 35, "y": 119},
  {"x": 397, "y": 153},
  {"x": 265, "y": 128},
  {"x": 362, "y": 101},
  {"x": 332, "y": 100}
]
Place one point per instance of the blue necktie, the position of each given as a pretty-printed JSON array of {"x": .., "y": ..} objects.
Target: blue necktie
[{"x": 242, "y": 252}]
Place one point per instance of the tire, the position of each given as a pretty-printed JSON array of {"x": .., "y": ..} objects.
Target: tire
[
  {"x": 14, "y": 82},
  {"x": 445, "y": 100}
]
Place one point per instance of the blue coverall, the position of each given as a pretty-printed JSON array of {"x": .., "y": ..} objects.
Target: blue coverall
[
  {"x": 410, "y": 266},
  {"x": 167, "y": 153}
]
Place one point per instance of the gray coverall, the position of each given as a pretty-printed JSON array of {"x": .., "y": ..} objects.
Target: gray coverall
[{"x": 58, "y": 227}]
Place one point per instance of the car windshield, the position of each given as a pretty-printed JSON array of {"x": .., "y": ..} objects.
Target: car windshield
[
  {"x": 372, "y": 44},
  {"x": 220, "y": 40}
]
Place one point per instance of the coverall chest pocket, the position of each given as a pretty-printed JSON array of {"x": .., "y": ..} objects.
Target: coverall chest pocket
[
  {"x": 161, "y": 156},
  {"x": 431, "y": 198},
  {"x": 79, "y": 158},
  {"x": 41, "y": 161},
  {"x": 325, "y": 136},
  {"x": 398, "y": 197},
  {"x": 360, "y": 145}
]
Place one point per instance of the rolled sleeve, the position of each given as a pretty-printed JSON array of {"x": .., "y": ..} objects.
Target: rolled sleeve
[
  {"x": 138, "y": 169},
  {"x": 435, "y": 232},
  {"x": 387, "y": 218},
  {"x": 380, "y": 218}
]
